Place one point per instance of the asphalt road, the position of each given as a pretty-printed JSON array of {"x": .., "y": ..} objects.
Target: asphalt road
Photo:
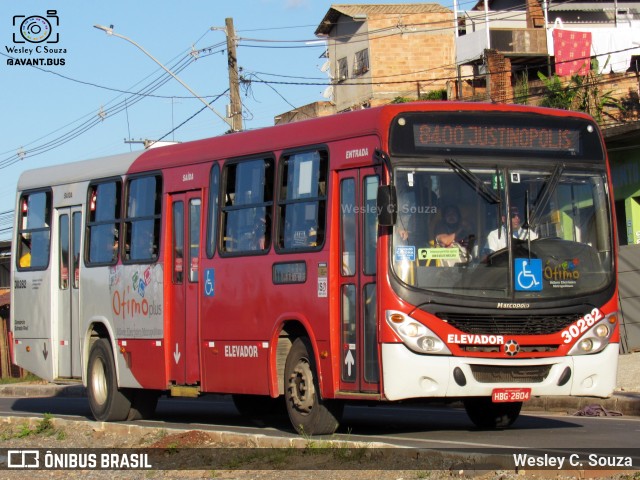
[{"x": 410, "y": 425}]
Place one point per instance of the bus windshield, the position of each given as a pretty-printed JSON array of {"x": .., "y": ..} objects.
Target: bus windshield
[{"x": 502, "y": 231}]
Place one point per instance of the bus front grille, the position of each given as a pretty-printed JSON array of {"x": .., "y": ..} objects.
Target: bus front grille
[
  {"x": 489, "y": 324},
  {"x": 510, "y": 374}
]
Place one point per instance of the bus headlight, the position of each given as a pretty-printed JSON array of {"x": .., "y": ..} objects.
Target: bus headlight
[
  {"x": 595, "y": 338},
  {"x": 415, "y": 335},
  {"x": 586, "y": 344},
  {"x": 602, "y": 330}
]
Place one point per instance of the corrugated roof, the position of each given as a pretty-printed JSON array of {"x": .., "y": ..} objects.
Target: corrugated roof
[
  {"x": 354, "y": 10},
  {"x": 593, "y": 5}
]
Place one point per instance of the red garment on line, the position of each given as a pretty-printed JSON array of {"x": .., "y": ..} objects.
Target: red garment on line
[{"x": 572, "y": 51}]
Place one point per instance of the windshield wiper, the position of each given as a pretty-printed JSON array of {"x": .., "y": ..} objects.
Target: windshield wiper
[
  {"x": 545, "y": 195},
  {"x": 474, "y": 182}
]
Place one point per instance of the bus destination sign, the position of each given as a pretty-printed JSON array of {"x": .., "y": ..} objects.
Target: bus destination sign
[{"x": 495, "y": 137}]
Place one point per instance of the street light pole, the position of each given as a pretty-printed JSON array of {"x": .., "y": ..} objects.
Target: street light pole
[{"x": 109, "y": 31}]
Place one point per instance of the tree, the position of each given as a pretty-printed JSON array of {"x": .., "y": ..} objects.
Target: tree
[{"x": 583, "y": 93}]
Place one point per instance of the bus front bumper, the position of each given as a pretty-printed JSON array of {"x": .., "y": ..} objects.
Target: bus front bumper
[{"x": 410, "y": 375}]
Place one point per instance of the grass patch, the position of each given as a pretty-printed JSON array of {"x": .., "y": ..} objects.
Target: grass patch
[
  {"x": 28, "y": 378},
  {"x": 44, "y": 428}
]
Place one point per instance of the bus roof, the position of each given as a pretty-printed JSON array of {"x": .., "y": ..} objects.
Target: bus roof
[
  {"x": 314, "y": 131},
  {"x": 254, "y": 142},
  {"x": 77, "y": 171}
]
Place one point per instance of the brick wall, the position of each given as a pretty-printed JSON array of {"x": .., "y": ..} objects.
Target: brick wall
[
  {"x": 425, "y": 52},
  {"x": 500, "y": 89}
]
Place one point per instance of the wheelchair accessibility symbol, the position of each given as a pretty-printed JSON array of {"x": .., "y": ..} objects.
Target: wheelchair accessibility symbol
[
  {"x": 209, "y": 282},
  {"x": 528, "y": 273}
]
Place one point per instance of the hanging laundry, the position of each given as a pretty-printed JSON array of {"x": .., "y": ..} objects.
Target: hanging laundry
[{"x": 572, "y": 51}]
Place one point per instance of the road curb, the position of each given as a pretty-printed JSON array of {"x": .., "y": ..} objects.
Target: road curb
[
  {"x": 627, "y": 403},
  {"x": 42, "y": 390}
]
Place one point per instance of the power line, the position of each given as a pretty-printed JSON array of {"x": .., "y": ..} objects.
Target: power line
[
  {"x": 89, "y": 119},
  {"x": 94, "y": 119}
]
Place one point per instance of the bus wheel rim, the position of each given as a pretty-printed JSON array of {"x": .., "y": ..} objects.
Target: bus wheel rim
[
  {"x": 99, "y": 383},
  {"x": 301, "y": 387}
]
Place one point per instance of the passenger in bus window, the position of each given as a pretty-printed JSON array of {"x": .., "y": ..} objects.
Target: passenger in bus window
[
  {"x": 25, "y": 252},
  {"x": 497, "y": 239},
  {"x": 452, "y": 228},
  {"x": 260, "y": 240},
  {"x": 114, "y": 251},
  {"x": 452, "y": 231}
]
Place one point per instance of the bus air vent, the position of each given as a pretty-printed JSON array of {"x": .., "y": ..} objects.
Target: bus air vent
[
  {"x": 510, "y": 374},
  {"x": 489, "y": 324}
]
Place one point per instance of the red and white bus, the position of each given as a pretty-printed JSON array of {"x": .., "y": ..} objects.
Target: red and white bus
[{"x": 321, "y": 262}]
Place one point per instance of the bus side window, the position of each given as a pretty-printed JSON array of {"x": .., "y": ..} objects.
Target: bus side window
[
  {"x": 34, "y": 231},
  {"x": 103, "y": 223},
  {"x": 302, "y": 200},
  {"x": 142, "y": 219},
  {"x": 212, "y": 219},
  {"x": 246, "y": 215}
]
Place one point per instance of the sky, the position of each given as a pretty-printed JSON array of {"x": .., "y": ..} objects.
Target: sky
[{"x": 82, "y": 104}]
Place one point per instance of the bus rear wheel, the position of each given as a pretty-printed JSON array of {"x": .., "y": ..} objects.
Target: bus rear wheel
[
  {"x": 308, "y": 412},
  {"x": 108, "y": 404},
  {"x": 486, "y": 414}
]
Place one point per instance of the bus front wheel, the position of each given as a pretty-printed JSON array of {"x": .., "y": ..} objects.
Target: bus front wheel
[
  {"x": 108, "y": 404},
  {"x": 309, "y": 414},
  {"x": 486, "y": 414}
]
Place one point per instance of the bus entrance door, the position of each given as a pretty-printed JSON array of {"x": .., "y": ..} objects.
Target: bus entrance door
[
  {"x": 357, "y": 258},
  {"x": 69, "y": 227},
  {"x": 183, "y": 331}
]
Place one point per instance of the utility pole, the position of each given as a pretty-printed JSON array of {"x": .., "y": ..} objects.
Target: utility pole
[{"x": 234, "y": 80}]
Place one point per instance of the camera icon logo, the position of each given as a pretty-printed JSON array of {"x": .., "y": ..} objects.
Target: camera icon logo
[{"x": 36, "y": 28}]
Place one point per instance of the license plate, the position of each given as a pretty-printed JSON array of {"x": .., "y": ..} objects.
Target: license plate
[{"x": 510, "y": 395}]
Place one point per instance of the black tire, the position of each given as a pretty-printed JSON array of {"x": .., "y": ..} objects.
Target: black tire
[
  {"x": 257, "y": 406},
  {"x": 143, "y": 403},
  {"x": 107, "y": 402},
  {"x": 308, "y": 412},
  {"x": 488, "y": 415}
]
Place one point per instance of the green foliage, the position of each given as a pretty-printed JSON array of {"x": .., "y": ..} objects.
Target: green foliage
[
  {"x": 583, "y": 93},
  {"x": 43, "y": 427},
  {"x": 29, "y": 377},
  {"x": 557, "y": 94},
  {"x": 434, "y": 95},
  {"x": 402, "y": 100},
  {"x": 430, "y": 95}
]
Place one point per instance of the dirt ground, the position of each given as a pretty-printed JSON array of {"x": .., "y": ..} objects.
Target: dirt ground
[{"x": 212, "y": 455}]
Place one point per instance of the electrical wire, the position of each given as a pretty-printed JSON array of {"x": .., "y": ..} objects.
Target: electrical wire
[{"x": 94, "y": 120}]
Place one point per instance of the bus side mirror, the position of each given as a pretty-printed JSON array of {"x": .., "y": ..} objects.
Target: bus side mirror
[{"x": 387, "y": 205}]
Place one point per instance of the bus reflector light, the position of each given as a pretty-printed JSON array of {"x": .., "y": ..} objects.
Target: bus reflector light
[
  {"x": 122, "y": 349},
  {"x": 28, "y": 348},
  {"x": 458, "y": 376},
  {"x": 324, "y": 354},
  {"x": 564, "y": 378},
  {"x": 396, "y": 318}
]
